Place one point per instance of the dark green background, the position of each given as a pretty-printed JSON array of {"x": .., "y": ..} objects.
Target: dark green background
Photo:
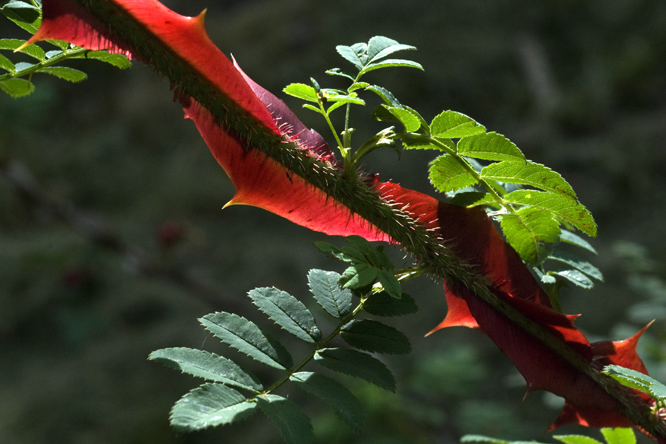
[{"x": 579, "y": 86}]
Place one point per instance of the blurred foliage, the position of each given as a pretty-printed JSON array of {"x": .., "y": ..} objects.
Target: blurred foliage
[{"x": 580, "y": 87}]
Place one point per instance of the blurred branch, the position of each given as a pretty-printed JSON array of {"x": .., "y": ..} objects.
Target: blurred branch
[{"x": 100, "y": 234}]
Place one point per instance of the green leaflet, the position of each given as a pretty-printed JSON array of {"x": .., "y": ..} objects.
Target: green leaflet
[
  {"x": 489, "y": 146},
  {"x": 562, "y": 207},
  {"x": 577, "y": 439},
  {"x": 383, "y": 304},
  {"x": 446, "y": 173},
  {"x": 639, "y": 381},
  {"x": 64, "y": 73},
  {"x": 293, "y": 423},
  {"x": 375, "y": 337},
  {"x": 528, "y": 230},
  {"x": 25, "y": 15},
  {"x": 571, "y": 238},
  {"x": 210, "y": 405},
  {"x": 203, "y": 364},
  {"x": 17, "y": 87},
  {"x": 357, "y": 364},
  {"x": 487, "y": 439},
  {"x": 6, "y": 64},
  {"x": 247, "y": 338},
  {"x": 619, "y": 435},
  {"x": 336, "y": 395},
  {"x": 336, "y": 301},
  {"x": 302, "y": 91},
  {"x": 452, "y": 124},
  {"x": 577, "y": 263},
  {"x": 528, "y": 173},
  {"x": 117, "y": 60},
  {"x": 31, "y": 50},
  {"x": 287, "y": 312}
]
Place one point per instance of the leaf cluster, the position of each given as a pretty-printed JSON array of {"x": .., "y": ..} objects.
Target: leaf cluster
[
  {"x": 232, "y": 393},
  {"x": 17, "y": 81},
  {"x": 618, "y": 435}
]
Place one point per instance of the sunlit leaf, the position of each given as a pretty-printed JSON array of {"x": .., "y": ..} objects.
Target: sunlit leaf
[
  {"x": 302, "y": 91},
  {"x": 380, "y": 47},
  {"x": 619, "y": 435},
  {"x": 391, "y": 63},
  {"x": 210, "y": 405},
  {"x": 286, "y": 311},
  {"x": 447, "y": 173},
  {"x": 17, "y": 87},
  {"x": 203, "y": 364},
  {"x": 62, "y": 72},
  {"x": 6, "y": 64},
  {"x": 247, "y": 338},
  {"x": 489, "y": 146},
  {"x": 528, "y": 173},
  {"x": 577, "y": 263},
  {"x": 571, "y": 238},
  {"x": 452, "y": 124},
  {"x": 565, "y": 208},
  {"x": 32, "y": 50},
  {"x": 350, "y": 55},
  {"x": 117, "y": 60},
  {"x": 528, "y": 230}
]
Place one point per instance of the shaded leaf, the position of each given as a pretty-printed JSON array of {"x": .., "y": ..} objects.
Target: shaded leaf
[
  {"x": 247, "y": 338},
  {"x": 324, "y": 287},
  {"x": 210, "y": 405},
  {"x": 384, "y": 94},
  {"x": 382, "y": 304},
  {"x": 336, "y": 395},
  {"x": 637, "y": 380},
  {"x": 358, "y": 275},
  {"x": 206, "y": 365},
  {"x": 357, "y": 364},
  {"x": 577, "y": 263},
  {"x": 452, "y": 124},
  {"x": 573, "y": 239},
  {"x": 489, "y": 146},
  {"x": 446, "y": 173},
  {"x": 528, "y": 173},
  {"x": 287, "y": 312},
  {"x": 293, "y": 423},
  {"x": 575, "y": 277},
  {"x": 24, "y": 14},
  {"x": 375, "y": 337},
  {"x": 390, "y": 283}
]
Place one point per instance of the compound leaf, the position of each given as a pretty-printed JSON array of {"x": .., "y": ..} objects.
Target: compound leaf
[
  {"x": 206, "y": 365},
  {"x": 247, "y": 338},
  {"x": 210, "y": 405}
]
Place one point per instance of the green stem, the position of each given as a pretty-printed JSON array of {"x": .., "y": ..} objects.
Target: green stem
[
  {"x": 67, "y": 54},
  {"x": 320, "y": 345}
]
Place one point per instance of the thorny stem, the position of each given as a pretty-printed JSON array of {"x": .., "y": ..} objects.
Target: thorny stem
[{"x": 353, "y": 193}]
